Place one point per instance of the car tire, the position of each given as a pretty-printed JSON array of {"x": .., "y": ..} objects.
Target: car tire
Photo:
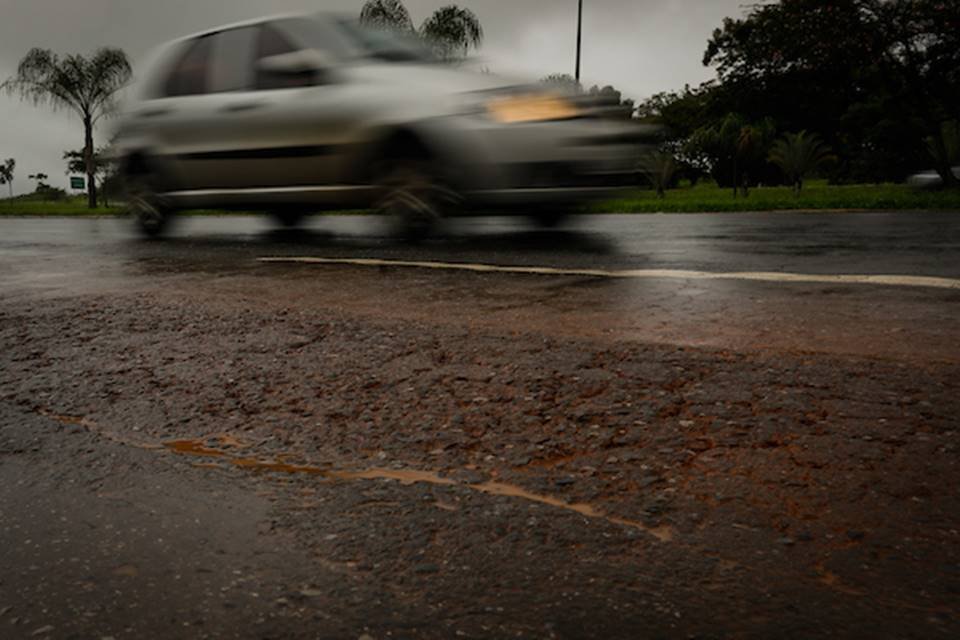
[
  {"x": 413, "y": 197},
  {"x": 550, "y": 220},
  {"x": 288, "y": 218},
  {"x": 145, "y": 206}
]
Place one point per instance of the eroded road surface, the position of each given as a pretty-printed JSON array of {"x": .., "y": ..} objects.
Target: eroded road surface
[{"x": 688, "y": 426}]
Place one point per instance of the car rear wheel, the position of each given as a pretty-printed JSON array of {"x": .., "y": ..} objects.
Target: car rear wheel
[{"x": 144, "y": 204}]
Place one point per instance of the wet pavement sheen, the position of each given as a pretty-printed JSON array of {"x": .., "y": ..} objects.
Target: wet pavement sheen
[{"x": 195, "y": 443}]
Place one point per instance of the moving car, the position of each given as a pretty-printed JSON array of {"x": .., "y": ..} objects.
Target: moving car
[{"x": 301, "y": 113}]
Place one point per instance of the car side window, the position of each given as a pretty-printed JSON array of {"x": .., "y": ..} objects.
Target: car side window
[
  {"x": 189, "y": 75},
  {"x": 230, "y": 62},
  {"x": 272, "y": 42}
]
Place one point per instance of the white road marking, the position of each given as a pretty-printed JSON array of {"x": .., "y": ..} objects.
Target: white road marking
[{"x": 673, "y": 274}]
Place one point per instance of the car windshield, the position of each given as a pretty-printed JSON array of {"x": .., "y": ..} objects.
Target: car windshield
[{"x": 387, "y": 45}]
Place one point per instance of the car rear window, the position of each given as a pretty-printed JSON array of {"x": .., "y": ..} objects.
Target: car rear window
[{"x": 189, "y": 75}]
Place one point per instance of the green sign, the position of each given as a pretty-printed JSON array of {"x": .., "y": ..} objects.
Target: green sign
[{"x": 77, "y": 183}]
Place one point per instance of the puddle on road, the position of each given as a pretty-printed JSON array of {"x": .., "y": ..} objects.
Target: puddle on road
[{"x": 407, "y": 477}]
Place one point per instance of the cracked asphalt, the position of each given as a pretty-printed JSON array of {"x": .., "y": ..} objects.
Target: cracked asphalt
[{"x": 195, "y": 444}]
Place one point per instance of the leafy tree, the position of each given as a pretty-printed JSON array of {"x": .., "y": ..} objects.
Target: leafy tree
[
  {"x": 826, "y": 65},
  {"x": 799, "y": 154},
  {"x": 920, "y": 64},
  {"x": 452, "y": 30},
  {"x": 6, "y": 173},
  {"x": 681, "y": 113},
  {"x": 86, "y": 86},
  {"x": 386, "y": 14}
]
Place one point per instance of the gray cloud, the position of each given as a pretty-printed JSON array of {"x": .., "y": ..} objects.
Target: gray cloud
[{"x": 639, "y": 46}]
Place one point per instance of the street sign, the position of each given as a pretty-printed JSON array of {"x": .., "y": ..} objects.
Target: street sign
[{"x": 77, "y": 183}]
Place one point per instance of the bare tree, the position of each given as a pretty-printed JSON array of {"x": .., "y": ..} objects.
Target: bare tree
[{"x": 86, "y": 86}]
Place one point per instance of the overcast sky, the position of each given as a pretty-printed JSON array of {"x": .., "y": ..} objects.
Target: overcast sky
[{"x": 639, "y": 46}]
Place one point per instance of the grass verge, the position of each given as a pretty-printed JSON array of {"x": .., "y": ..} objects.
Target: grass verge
[
  {"x": 705, "y": 197},
  {"x": 817, "y": 195}
]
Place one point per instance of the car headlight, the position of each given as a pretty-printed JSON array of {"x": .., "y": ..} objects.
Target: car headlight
[{"x": 530, "y": 108}]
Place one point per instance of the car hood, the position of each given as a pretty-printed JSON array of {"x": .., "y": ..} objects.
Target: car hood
[{"x": 436, "y": 79}]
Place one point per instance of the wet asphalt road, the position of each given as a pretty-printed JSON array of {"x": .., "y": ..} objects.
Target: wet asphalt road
[
  {"x": 921, "y": 243},
  {"x": 197, "y": 444}
]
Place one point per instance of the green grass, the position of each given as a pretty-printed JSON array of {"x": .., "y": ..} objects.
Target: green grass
[
  {"x": 705, "y": 197},
  {"x": 817, "y": 195},
  {"x": 69, "y": 207}
]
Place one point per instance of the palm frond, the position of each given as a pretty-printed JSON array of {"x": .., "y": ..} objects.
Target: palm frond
[
  {"x": 84, "y": 85},
  {"x": 386, "y": 14},
  {"x": 452, "y": 29}
]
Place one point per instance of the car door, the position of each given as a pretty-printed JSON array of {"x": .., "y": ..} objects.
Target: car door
[
  {"x": 190, "y": 118},
  {"x": 295, "y": 126}
]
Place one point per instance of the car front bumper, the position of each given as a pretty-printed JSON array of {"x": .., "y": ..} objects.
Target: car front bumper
[{"x": 566, "y": 161}]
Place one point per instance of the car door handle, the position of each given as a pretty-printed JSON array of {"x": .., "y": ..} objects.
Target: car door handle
[
  {"x": 154, "y": 113},
  {"x": 240, "y": 107}
]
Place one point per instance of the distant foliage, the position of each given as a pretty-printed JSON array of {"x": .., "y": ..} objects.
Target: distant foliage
[
  {"x": 877, "y": 77},
  {"x": 736, "y": 151},
  {"x": 563, "y": 82}
]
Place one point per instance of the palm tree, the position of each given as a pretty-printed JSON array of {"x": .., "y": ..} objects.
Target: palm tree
[
  {"x": 86, "y": 86},
  {"x": 659, "y": 167},
  {"x": 386, "y": 14},
  {"x": 798, "y": 154},
  {"x": 6, "y": 174},
  {"x": 451, "y": 29}
]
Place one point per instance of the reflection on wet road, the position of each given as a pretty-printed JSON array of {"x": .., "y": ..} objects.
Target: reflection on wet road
[{"x": 800, "y": 281}]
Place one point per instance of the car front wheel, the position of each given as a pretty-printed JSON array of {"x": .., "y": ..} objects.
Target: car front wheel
[{"x": 413, "y": 197}]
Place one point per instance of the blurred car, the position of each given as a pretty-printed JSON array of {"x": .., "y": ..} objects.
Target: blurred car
[
  {"x": 302, "y": 113},
  {"x": 929, "y": 179}
]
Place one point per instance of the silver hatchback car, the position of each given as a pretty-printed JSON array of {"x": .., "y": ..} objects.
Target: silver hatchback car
[{"x": 297, "y": 114}]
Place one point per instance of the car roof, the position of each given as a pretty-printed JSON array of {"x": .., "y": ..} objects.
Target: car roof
[{"x": 248, "y": 23}]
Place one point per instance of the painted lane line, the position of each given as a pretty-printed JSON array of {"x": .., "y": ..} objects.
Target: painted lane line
[{"x": 671, "y": 274}]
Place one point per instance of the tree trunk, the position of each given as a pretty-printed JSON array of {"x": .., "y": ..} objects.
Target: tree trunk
[
  {"x": 735, "y": 184},
  {"x": 89, "y": 162},
  {"x": 942, "y": 159}
]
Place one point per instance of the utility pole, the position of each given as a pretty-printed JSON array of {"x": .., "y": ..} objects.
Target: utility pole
[{"x": 579, "y": 35}]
